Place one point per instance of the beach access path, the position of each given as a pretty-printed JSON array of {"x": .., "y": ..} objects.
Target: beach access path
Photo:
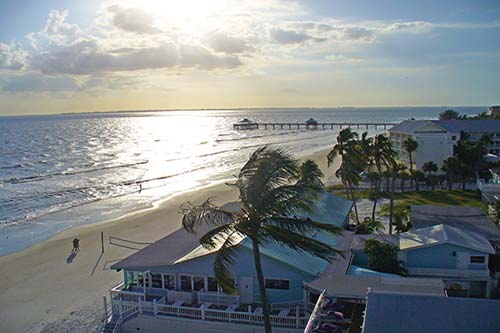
[{"x": 44, "y": 289}]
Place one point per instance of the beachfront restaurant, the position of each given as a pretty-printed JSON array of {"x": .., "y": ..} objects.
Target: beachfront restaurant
[{"x": 173, "y": 279}]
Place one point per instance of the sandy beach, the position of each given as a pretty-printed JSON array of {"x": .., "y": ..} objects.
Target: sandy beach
[{"x": 43, "y": 289}]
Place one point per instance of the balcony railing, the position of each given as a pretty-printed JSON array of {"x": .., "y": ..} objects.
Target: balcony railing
[
  {"x": 295, "y": 319},
  {"x": 218, "y": 298}
]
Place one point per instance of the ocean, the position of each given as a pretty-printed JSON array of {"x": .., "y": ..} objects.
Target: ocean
[{"x": 61, "y": 171}]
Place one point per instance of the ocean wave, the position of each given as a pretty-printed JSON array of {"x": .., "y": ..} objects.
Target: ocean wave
[{"x": 33, "y": 178}]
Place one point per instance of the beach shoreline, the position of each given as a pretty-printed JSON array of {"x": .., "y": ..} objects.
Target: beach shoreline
[{"x": 47, "y": 290}]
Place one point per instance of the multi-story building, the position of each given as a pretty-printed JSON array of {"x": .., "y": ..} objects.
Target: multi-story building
[{"x": 436, "y": 138}]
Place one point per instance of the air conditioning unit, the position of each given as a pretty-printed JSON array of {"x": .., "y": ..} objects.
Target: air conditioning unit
[{"x": 457, "y": 285}]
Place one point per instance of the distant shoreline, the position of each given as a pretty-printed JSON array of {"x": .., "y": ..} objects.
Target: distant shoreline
[{"x": 247, "y": 108}]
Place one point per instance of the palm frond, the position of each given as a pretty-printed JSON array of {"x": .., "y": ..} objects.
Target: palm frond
[
  {"x": 205, "y": 213},
  {"x": 223, "y": 259},
  {"x": 212, "y": 238},
  {"x": 305, "y": 225},
  {"x": 298, "y": 242}
]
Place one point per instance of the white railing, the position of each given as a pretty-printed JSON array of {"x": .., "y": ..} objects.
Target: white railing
[
  {"x": 118, "y": 292},
  {"x": 288, "y": 305},
  {"x": 204, "y": 313},
  {"x": 218, "y": 298},
  {"x": 175, "y": 295}
]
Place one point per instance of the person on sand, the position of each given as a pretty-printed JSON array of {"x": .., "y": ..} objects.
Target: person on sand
[{"x": 76, "y": 245}]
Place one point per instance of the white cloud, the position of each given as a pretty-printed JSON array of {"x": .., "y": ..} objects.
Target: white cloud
[
  {"x": 133, "y": 20},
  {"x": 12, "y": 57},
  {"x": 340, "y": 58}
]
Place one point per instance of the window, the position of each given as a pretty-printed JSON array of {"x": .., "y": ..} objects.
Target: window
[
  {"x": 477, "y": 259},
  {"x": 212, "y": 284},
  {"x": 453, "y": 137},
  {"x": 168, "y": 281},
  {"x": 277, "y": 284},
  {"x": 143, "y": 280},
  {"x": 198, "y": 283},
  {"x": 156, "y": 280},
  {"x": 186, "y": 283}
]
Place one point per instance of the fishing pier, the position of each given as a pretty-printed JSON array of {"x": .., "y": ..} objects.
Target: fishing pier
[{"x": 313, "y": 126}]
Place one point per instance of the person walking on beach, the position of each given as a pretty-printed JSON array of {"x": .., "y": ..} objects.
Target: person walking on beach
[
  {"x": 76, "y": 245},
  {"x": 140, "y": 188}
]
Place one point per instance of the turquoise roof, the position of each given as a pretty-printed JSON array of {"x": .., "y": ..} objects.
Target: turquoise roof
[
  {"x": 330, "y": 209},
  {"x": 360, "y": 271}
]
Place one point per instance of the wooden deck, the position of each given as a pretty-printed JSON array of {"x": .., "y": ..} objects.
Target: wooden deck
[{"x": 274, "y": 126}]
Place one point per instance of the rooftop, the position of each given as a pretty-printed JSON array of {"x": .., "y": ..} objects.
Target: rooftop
[
  {"x": 425, "y": 313},
  {"x": 441, "y": 234},
  {"x": 358, "y": 286},
  {"x": 454, "y": 126},
  {"x": 472, "y": 219},
  {"x": 181, "y": 246}
]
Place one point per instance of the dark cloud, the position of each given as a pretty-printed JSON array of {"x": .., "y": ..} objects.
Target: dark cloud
[
  {"x": 221, "y": 42},
  {"x": 38, "y": 83},
  {"x": 132, "y": 20},
  {"x": 282, "y": 36},
  {"x": 86, "y": 58}
]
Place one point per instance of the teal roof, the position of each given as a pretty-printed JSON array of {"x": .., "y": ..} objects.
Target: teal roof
[
  {"x": 360, "y": 271},
  {"x": 329, "y": 209}
]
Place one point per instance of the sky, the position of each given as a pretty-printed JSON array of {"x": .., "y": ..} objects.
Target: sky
[{"x": 82, "y": 56}]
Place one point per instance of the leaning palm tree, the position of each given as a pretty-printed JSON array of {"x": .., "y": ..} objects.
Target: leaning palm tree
[
  {"x": 353, "y": 163},
  {"x": 273, "y": 187}
]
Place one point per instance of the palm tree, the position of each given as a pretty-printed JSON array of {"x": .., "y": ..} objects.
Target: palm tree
[
  {"x": 402, "y": 174},
  {"x": 373, "y": 195},
  {"x": 272, "y": 187},
  {"x": 430, "y": 167},
  {"x": 453, "y": 167},
  {"x": 410, "y": 145},
  {"x": 353, "y": 162},
  {"x": 381, "y": 157},
  {"x": 417, "y": 176},
  {"x": 496, "y": 210}
]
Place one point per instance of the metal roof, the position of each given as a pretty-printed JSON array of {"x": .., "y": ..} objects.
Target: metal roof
[
  {"x": 396, "y": 313},
  {"x": 358, "y": 286},
  {"x": 181, "y": 246},
  {"x": 472, "y": 219},
  {"x": 361, "y": 271},
  {"x": 454, "y": 126},
  {"x": 443, "y": 234}
]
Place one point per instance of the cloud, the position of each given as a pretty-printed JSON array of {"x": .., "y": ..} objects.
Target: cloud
[
  {"x": 12, "y": 57},
  {"x": 282, "y": 36},
  {"x": 55, "y": 32},
  {"x": 222, "y": 42},
  {"x": 340, "y": 58},
  {"x": 38, "y": 83},
  {"x": 88, "y": 58},
  {"x": 133, "y": 20}
]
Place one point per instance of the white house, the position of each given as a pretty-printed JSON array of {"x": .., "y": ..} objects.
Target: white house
[{"x": 436, "y": 138}]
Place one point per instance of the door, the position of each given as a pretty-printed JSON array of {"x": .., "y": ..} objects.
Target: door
[
  {"x": 245, "y": 287},
  {"x": 462, "y": 260}
]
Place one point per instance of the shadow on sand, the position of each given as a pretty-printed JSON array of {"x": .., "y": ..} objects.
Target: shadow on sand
[{"x": 72, "y": 256}]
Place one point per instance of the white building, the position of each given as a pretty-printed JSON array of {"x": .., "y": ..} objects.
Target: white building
[{"x": 436, "y": 138}]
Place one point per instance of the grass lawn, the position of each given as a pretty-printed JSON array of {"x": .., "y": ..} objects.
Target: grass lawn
[{"x": 438, "y": 198}]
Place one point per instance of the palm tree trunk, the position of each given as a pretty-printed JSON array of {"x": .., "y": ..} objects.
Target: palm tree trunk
[
  {"x": 391, "y": 212},
  {"x": 449, "y": 182},
  {"x": 417, "y": 185},
  {"x": 262, "y": 287},
  {"x": 374, "y": 208},
  {"x": 354, "y": 203},
  {"x": 411, "y": 172}
]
